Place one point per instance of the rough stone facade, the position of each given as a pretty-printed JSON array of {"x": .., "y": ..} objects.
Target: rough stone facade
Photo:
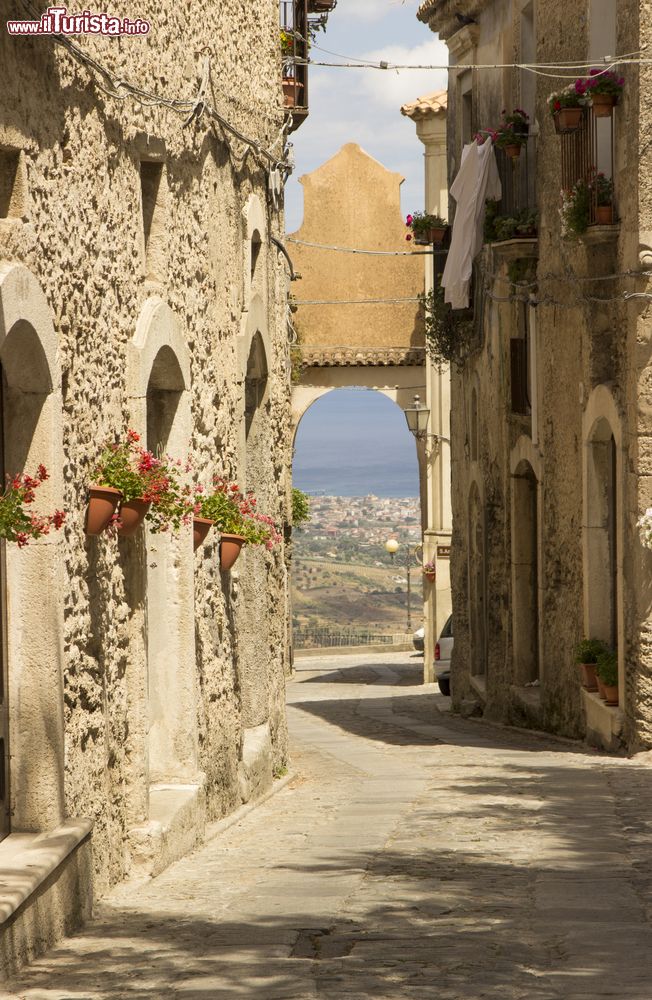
[
  {"x": 545, "y": 500},
  {"x": 145, "y": 688}
]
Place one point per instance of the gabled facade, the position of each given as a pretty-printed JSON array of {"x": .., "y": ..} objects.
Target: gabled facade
[{"x": 550, "y": 410}]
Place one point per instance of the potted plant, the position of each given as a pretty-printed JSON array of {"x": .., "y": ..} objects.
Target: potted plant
[
  {"x": 135, "y": 479},
  {"x": 603, "y": 87},
  {"x": 291, "y": 86},
  {"x": 604, "y": 211},
  {"x": 16, "y": 523},
  {"x": 575, "y": 209},
  {"x": 607, "y": 667},
  {"x": 586, "y": 655},
  {"x": 430, "y": 571},
  {"x": 235, "y": 516},
  {"x": 512, "y": 134},
  {"x": 567, "y": 107},
  {"x": 425, "y": 228}
]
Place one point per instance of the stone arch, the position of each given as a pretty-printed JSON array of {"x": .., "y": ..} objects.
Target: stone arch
[
  {"x": 526, "y": 561},
  {"x": 33, "y": 434},
  {"x": 603, "y": 520},
  {"x": 158, "y": 387}
]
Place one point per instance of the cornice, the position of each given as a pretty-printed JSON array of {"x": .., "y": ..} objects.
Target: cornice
[{"x": 316, "y": 357}]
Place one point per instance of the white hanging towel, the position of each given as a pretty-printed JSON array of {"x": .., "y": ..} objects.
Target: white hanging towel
[{"x": 476, "y": 181}]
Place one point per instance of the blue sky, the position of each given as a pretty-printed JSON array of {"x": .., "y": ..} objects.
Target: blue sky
[
  {"x": 353, "y": 442},
  {"x": 363, "y": 105}
]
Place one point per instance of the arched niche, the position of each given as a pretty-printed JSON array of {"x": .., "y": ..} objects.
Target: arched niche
[
  {"x": 603, "y": 522},
  {"x": 255, "y": 238},
  {"x": 33, "y": 648},
  {"x": 525, "y": 549},
  {"x": 158, "y": 381}
]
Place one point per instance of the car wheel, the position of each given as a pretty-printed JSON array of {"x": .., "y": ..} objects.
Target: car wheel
[{"x": 445, "y": 686}]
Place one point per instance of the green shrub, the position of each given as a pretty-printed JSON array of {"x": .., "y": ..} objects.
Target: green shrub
[
  {"x": 300, "y": 508},
  {"x": 607, "y": 667},
  {"x": 588, "y": 650}
]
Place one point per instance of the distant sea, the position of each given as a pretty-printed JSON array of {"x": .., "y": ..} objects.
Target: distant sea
[{"x": 353, "y": 442}]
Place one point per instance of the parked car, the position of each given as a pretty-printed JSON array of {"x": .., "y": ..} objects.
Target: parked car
[
  {"x": 418, "y": 639},
  {"x": 443, "y": 653}
]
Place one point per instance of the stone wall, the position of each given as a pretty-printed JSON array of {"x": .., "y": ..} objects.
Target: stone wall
[
  {"x": 588, "y": 386},
  {"x": 144, "y": 706}
]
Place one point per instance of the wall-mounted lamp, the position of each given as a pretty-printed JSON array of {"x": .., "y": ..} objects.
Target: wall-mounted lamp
[{"x": 417, "y": 417}]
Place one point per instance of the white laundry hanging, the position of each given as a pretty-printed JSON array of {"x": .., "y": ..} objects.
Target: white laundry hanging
[{"x": 476, "y": 181}]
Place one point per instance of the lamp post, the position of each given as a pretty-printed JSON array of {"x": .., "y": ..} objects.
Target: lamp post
[{"x": 392, "y": 546}]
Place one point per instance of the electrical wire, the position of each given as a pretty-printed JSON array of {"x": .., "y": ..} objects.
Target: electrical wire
[
  {"x": 191, "y": 109},
  {"x": 372, "y": 253},
  {"x": 355, "y": 302}
]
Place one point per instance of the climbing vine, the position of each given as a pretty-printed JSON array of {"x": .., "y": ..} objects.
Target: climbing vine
[{"x": 448, "y": 332}]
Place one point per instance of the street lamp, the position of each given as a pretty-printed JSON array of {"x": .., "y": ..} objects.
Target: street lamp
[
  {"x": 392, "y": 546},
  {"x": 417, "y": 417}
]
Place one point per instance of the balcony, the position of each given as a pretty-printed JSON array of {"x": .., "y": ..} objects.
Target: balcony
[
  {"x": 300, "y": 21},
  {"x": 587, "y": 153}
]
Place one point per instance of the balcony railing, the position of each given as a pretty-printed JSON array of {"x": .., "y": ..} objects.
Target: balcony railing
[
  {"x": 294, "y": 22},
  {"x": 587, "y": 151},
  {"x": 518, "y": 179}
]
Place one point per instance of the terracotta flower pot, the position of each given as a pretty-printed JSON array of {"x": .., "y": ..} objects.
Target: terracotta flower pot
[
  {"x": 604, "y": 215},
  {"x": 513, "y": 150},
  {"x": 437, "y": 234},
  {"x": 430, "y": 577},
  {"x": 102, "y": 503},
  {"x": 568, "y": 119},
  {"x": 603, "y": 105},
  {"x": 590, "y": 678},
  {"x": 601, "y": 688},
  {"x": 230, "y": 546},
  {"x": 612, "y": 694},
  {"x": 291, "y": 92},
  {"x": 200, "y": 528},
  {"x": 132, "y": 515}
]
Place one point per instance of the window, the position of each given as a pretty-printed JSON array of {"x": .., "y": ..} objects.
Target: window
[
  {"x": 152, "y": 188},
  {"x": 11, "y": 186}
]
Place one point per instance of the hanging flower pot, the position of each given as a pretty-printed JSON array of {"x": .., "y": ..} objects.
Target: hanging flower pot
[
  {"x": 568, "y": 119},
  {"x": 132, "y": 515},
  {"x": 604, "y": 215},
  {"x": 200, "y": 528},
  {"x": 430, "y": 577},
  {"x": 291, "y": 91},
  {"x": 611, "y": 693},
  {"x": 437, "y": 234},
  {"x": 603, "y": 105},
  {"x": 102, "y": 504},
  {"x": 513, "y": 150},
  {"x": 230, "y": 546}
]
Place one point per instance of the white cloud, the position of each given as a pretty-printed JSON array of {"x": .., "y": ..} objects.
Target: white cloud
[
  {"x": 363, "y": 106},
  {"x": 392, "y": 88},
  {"x": 373, "y": 10}
]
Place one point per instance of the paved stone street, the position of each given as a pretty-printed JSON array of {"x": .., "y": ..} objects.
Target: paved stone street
[{"x": 412, "y": 854}]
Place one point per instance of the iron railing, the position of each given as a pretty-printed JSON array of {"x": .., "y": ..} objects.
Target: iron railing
[
  {"x": 586, "y": 151},
  {"x": 518, "y": 179},
  {"x": 315, "y": 638}
]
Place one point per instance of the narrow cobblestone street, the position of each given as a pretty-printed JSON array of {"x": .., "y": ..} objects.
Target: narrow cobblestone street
[{"x": 412, "y": 854}]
